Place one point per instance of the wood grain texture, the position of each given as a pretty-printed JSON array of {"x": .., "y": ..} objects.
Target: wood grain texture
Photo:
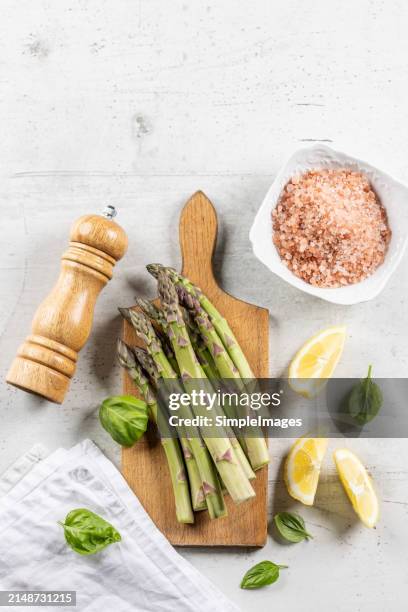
[
  {"x": 46, "y": 361},
  {"x": 144, "y": 466}
]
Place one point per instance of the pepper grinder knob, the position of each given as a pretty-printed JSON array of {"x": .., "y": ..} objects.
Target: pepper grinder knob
[
  {"x": 46, "y": 361},
  {"x": 109, "y": 211}
]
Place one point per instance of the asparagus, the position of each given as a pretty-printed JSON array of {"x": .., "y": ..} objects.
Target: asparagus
[
  {"x": 238, "y": 450},
  {"x": 205, "y": 359},
  {"x": 170, "y": 446},
  {"x": 220, "y": 323},
  {"x": 156, "y": 315},
  {"x": 207, "y": 364},
  {"x": 225, "y": 350},
  {"x": 209, "y": 368},
  {"x": 222, "y": 360},
  {"x": 255, "y": 446},
  {"x": 196, "y": 485},
  {"x": 152, "y": 311},
  {"x": 168, "y": 351},
  {"x": 208, "y": 474},
  {"x": 220, "y": 448},
  {"x": 199, "y": 346}
]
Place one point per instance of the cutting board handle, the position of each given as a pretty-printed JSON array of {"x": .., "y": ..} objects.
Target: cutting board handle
[{"x": 198, "y": 237}]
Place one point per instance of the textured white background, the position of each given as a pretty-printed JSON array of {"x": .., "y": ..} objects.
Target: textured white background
[{"x": 140, "y": 103}]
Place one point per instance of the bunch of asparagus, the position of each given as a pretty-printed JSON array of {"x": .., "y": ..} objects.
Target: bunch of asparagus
[{"x": 188, "y": 339}]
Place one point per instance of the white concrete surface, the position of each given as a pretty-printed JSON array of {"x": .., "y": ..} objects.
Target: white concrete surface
[{"x": 139, "y": 104}]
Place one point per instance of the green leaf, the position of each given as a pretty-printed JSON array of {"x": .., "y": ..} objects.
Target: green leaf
[
  {"x": 365, "y": 400},
  {"x": 125, "y": 417},
  {"x": 261, "y": 575},
  {"x": 291, "y": 527},
  {"x": 87, "y": 533}
]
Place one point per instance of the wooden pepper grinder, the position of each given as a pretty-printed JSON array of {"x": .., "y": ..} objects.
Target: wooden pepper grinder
[{"x": 46, "y": 361}]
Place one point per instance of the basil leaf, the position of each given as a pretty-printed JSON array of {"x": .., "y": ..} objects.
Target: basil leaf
[
  {"x": 261, "y": 575},
  {"x": 291, "y": 527},
  {"x": 365, "y": 400},
  {"x": 125, "y": 418},
  {"x": 87, "y": 533}
]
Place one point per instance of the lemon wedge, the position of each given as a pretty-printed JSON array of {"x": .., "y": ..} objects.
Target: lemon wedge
[
  {"x": 358, "y": 486},
  {"x": 316, "y": 361},
  {"x": 302, "y": 468}
]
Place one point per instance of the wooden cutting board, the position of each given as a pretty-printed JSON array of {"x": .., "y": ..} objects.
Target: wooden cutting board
[{"x": 144, "y": 465}]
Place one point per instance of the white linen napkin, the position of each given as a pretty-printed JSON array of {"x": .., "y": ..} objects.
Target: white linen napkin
[
  {"x": 141, "y": 573},
  {"x": 21, "y": 467}
]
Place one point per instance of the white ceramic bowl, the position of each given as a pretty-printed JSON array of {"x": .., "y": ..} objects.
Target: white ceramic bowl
[{"x": 393, "y": 195}]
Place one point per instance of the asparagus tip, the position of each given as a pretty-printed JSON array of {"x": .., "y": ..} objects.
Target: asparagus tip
[
  {"x": 142, "y": 303},
  {"x": 166, "y": 288},
  {"x": 125, "y": 354},
  {"x": 139, "y": 352},
  {"x": 125, "y": 312},
  {"x": 146, "y": 362},
  {"x": 154, "y": 269},
  {"x": 148, "y": 309}
]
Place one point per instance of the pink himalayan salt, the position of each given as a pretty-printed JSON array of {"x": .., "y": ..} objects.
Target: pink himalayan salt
[{"x": 330, "y": 228}]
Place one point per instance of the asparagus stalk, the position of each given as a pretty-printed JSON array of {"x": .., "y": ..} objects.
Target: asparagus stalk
[
  {"x": 230, "y": 470},
  {"x": 208, "y": 474},
  {"x": 170, "y": 446},
  {"x": 156, "y": 315},
  {"x": 206, "y": 360},
  {"x": 196, "y": 485},
  {"x": 199, "y": 346}
]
